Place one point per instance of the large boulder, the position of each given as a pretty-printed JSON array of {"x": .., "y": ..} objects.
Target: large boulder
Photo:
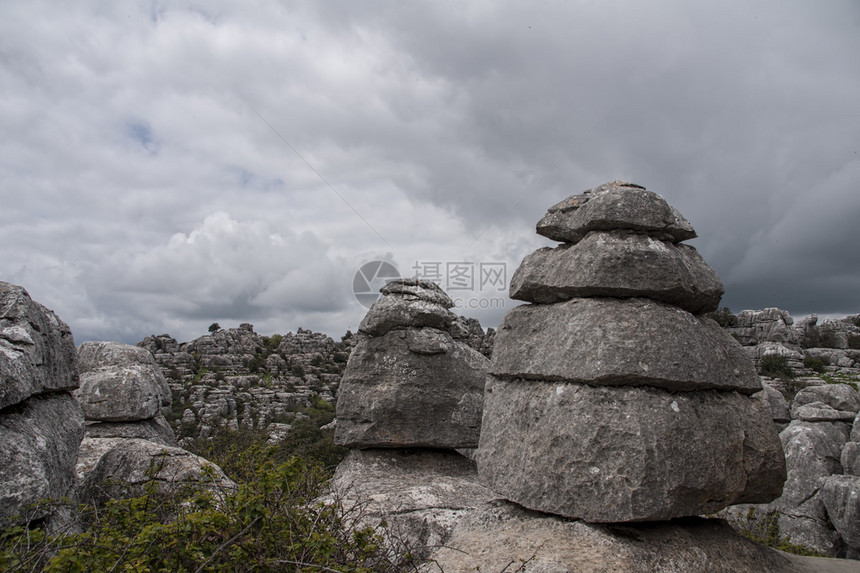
[
  {"x": 619, "y": 264},
  {"x": 813, "y": 453},
  {"x": 37, "y": 350},
  {"x": 121, "y": 467},
  {"x": 416, "y": 387},
  {"x": 840, "y": 397},
  {"x": 614, "y": 454},
  {"x": 841, "y": 498},
  {"x": 38, "y": 445},
  {"x": 604, "y": 341},
  {"x": 120, "y": 383},
  {"x": 613, "y": 206}
]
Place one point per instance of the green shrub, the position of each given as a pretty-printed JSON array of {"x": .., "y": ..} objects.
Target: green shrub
[
  {"x": 271, "y": 523},
  {"x": 775, "y": 366},
  {"x": 816, "y": 364},
  {"x": 854, "y": 341},
  {"x": 724, "y": 317}
]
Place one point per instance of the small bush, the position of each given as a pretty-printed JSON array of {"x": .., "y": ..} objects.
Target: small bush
[
  {"x": 271, "y": 523},
  {"x": 854, "y": 341},
  {"x": 776, "y": 366},
  {"x": 816, "y": 364},
  {"x": 724, "y": 317}
]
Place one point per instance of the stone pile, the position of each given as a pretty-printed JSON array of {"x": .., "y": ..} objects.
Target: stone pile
[
  {"x": 41, "y": 424},
  {"x": 611, "y": 398},
  {"x": 122, "y": 393},
  {"x": 408, "y": 382},
  {"x": 410, "y": 395}
]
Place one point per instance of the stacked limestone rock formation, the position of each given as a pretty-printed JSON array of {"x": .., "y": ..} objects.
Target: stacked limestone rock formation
[
  {"x": 41, "y": 424},
  {"x": 122, "y": 393},
  {"x": 611, "y": 399},
  {"x": 408, "y": 382},
  {"x": 411, "y": 394}
]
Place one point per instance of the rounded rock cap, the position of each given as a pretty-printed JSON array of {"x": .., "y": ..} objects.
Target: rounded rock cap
[{"x": 614, "y": 205}]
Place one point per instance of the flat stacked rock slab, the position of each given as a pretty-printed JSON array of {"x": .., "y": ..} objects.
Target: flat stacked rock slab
[
  {"x": 610, "y": 454},
  {"x": 611, "y": 206},
  {"x": 615, "y": 342},
  {"x": 610, "y": 398},
  {"x": 408, "y": 382},
  {"x": 619, "y": 264}
]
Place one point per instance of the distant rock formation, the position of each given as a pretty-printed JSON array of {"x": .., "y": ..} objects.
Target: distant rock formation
[
  {"x": 41, "y": 424},
  {"x": 627, "y": 408}
]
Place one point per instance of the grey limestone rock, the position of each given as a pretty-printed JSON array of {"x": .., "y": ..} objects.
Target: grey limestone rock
[
  {"x": 850, "y": 459},
  {"x": 620, "y": 342},
  {"x": 397, "y": 311},
  {"x": 812, "y": 454},
  {"x": 614, "y": 205},
  {"x": 841, "y": 498},
  {"x": 777, "y": 403},
  {"x": 768, "y": 325},
  {"x": 613, "y": 454},
  {"x": 120, "y": 467},
  {"x": 38, "y": 445},
  {"x": 841, "y": 397},
  {"x": 420, "y": 494},
  {"x": 120, "y": 394},
  {"x": 411, "y": 388},
  {"x": 37, "y": 350},
  {"x": 619, "y": 264},
  {"x": 154, "y": 429},
  {"x": 500, "y": 535}
]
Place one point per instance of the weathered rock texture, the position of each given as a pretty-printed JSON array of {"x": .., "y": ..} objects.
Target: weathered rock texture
[
  {"x": 500, "y": 536},
  {"x": 818, "y": 505},
  {"x": 121, "y": 467},
  {"x": 41, "y": 424},
  {"x": 408, "y": 382},
  {"x": 608, "y": 342},
  {"x": 612, "y": 206},
  {"x": 420, "y": 495},
  {"x": 628, "y": 408},
  {"x": 37, "y": 351},
  {"x": 622, "y": 264},
  {"x": 664, "y": 454}
]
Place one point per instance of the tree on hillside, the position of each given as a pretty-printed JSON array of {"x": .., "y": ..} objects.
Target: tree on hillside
[{"x": 214, "y": 327}]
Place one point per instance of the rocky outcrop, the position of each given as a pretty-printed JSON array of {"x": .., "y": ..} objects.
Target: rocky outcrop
[
  {"x": 817, "y": 505},
  {"x": 625, "y": 408},
  {"x": 41, "y": 425},
  {"x": 120, "y": 467},
  {"x": 408, "y": 382},
  {"x": 122, "y": 392},
  {"x": 128, "y": 442},
  {"x": 501, "y": 536}
]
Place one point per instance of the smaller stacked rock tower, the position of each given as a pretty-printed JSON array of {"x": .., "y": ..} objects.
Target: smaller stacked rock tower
[
  {"x": 611, "y": 398},
  {"x": 408, "y": 382}
]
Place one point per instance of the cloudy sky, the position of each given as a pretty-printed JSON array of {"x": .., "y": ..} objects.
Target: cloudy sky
[{"x": 166, "y": 165}]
